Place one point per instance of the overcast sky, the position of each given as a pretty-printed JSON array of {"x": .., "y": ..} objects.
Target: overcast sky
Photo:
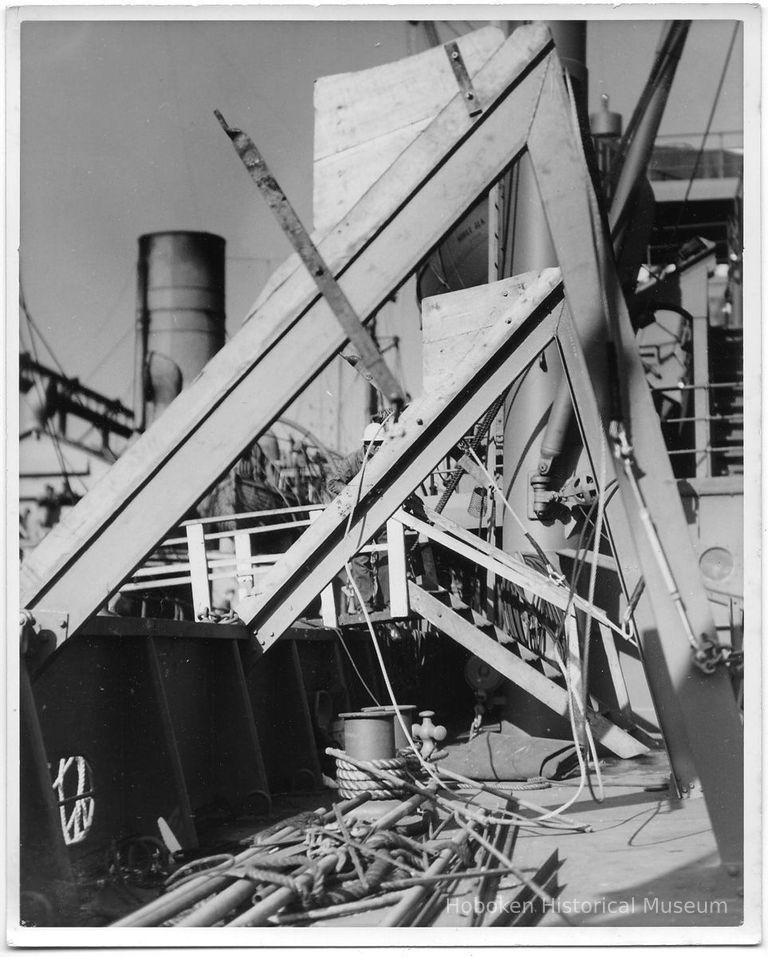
[{"x": 118, "y": 138}]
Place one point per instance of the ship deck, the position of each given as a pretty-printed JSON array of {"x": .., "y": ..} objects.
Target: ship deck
[{"x": 647, "y": 861}]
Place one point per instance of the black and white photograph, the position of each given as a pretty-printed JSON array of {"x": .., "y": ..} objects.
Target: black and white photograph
[{"x": 383, "y": 434}]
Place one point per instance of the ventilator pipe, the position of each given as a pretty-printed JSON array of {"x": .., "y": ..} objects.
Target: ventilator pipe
[
  {"x": 532, "y": 400},
  {"x": 551, "y": 446}
]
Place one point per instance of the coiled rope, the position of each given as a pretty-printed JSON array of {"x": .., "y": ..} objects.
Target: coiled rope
[{"x": 352, "y": 781}]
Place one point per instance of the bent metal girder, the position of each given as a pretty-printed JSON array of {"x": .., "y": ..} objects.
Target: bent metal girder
[
  {"x": 686, "y": 699},
  {"x": 291, "y": 336},
  {"x": 425, "y": 433}
]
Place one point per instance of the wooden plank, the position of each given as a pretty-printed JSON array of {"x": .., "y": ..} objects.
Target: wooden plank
[
  {"x": 244, "y": 387},
  {"x": 424, "y": 434},
  {"x": 452, "y": 325},
  {"x": 517, "y": 671},
  {"x": 364, "y": 120}
]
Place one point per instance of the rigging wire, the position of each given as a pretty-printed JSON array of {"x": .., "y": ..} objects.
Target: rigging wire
[
  {"x": 34, "y": 327},
  {"x": 177, "y": 101},
  {"x": 99, "y": 365},
  {"x": 49, "y": 430},
  {"x": 704, "y": 138}
]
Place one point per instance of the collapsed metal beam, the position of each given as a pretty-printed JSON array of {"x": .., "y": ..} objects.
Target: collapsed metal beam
[
  {"x": 609, "y": 399},
  {"x": 291, "y": 337},
  {"x": 425, "y": 433},
  {"x": 685, "y": 698}
]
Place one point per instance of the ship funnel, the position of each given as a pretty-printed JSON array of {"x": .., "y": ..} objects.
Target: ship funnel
[{"x": 180, "y": 315}]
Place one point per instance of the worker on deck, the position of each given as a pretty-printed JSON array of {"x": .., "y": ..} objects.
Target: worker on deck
[{"x": 370, "y": 577}]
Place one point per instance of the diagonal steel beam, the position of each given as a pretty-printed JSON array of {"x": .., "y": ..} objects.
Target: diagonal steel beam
[
  {"x": 698, "y": 712},
  {"x": 469, "y": 636},
  {"x": 290, "y": 338},
  {"x": 425, "y": 433}
]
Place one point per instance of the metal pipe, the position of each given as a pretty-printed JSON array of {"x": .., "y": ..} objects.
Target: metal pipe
[
  {"x": 179, "y": 899},
  {"x": 402, "y": 810},
  {"x": 339, "y": 910},
  {"x": 412, "y": 897},
  {"x": 534, "y": 401},
  {"x": 257, "y": 915},
  {"x": 218, "y": 907}
]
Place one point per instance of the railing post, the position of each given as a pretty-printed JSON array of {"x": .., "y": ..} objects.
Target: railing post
[
  {"x": 243, "y": 567},
  {"x": 399, "y": 606},
  {"x": 198, "y": 568},
  {"x": 328, "y": 610},
  {"x": 573, "y": 670}
]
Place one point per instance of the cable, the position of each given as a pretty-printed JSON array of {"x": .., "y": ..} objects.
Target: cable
[
  {"x": 108, "y": 353},
  {"x": 357, "y": 672},
  {"x": 508, "y": 815},
  {"x": 33, "y": 326},
  {"x": 706, "y": 132},
  {"x": 551, "y": 570},
  {"x": 46, "y": 425}
]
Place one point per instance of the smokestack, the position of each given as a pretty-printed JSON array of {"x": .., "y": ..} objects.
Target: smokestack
[{"x": 180, "y": 316}]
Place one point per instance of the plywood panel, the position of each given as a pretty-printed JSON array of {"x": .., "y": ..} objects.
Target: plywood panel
[{"x": 364, "y": 120}]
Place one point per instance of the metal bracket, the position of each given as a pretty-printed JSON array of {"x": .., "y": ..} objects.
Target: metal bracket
[
  {"x": 459, "y": 68},
  {"x": 41, "y": 634},
  {"x": 296, "y": 233}
]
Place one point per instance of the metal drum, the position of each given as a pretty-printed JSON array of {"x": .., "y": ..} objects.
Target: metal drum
[
  {"x": 369, "y": 736},
  {"x": 407, "y": 712}
]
